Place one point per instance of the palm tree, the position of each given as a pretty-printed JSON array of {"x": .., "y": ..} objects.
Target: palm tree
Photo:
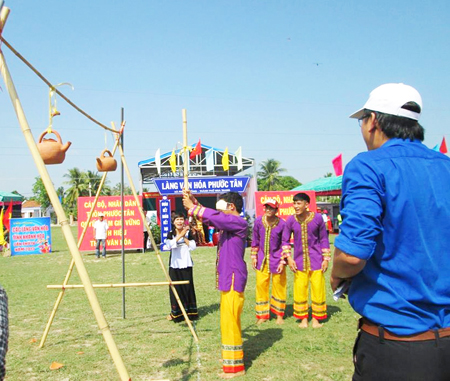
[
  {"x": 116, "y": 190},
  {"x": 269, "y": 174},
  {"x": 79, "y": 187},
  {"x": 76, "y": 187},
  {"x": 92, "y": 182}
]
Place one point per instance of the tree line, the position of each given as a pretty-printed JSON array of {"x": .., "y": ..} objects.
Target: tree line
[
  {"x": 79, "y": 184},
  {"x": 269, "y": 177},
  {"x": 86, "y": 183}
]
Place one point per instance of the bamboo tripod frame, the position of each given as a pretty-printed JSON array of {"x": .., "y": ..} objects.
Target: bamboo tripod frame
[
  {"x": 115, "y": 285},
  {"x": 169, "y": 282},
  {"x": 73, "y": 247},
  {"x": 84, "y": 276}
]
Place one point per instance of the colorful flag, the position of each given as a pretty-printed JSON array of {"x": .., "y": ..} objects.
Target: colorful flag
[
  {"x": 158, "y": 161},
  {"x": 2, "y": 236},
  {"x": 7, "y": 216},
  {"x": 209, "y": 158},
  {"x": 436, "y": 148},
  {"x": 238, "y": 154},
  {"x": 225, "y": 160},
  {"x": 197, "y": 150},
  {"x": 443, "y": 147},
  {"x": 173, "y": 162},
  {"x": 337, "y": 165}
]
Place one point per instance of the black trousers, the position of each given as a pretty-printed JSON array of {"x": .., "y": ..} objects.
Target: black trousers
[
  {"x": 385, "y": 360},
  {"x": 186, "y": 293}
]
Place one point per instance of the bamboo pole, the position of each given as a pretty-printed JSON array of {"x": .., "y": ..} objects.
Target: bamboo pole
[
  {"x": 84, "y": 276},
  {"x": 186, "y": 151},
  {"x": 155, "y": 247},
  {"x": 72, "y": 262},
  {"x": 115, "y": 285}
]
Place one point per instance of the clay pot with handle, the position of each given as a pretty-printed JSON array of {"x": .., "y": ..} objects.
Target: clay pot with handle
[
  {"x": 106, "y": 163},
  {"x": 52, "y": 151}
]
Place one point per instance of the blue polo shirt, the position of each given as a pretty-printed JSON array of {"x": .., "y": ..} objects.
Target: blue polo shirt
[{"x": 396, "y": 215}]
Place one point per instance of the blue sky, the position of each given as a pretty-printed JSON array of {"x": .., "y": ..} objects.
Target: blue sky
[{"x": 246, "y": 71}]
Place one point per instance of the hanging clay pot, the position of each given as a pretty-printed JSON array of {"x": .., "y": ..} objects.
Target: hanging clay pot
[
  {"x": 52, "y": 151},
  {"x": 106, "y": 163}
]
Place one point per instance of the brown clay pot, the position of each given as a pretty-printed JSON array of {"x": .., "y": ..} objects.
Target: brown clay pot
[
  {"x": 52, "y": 151},
  {"x": 106, "y": 163}
]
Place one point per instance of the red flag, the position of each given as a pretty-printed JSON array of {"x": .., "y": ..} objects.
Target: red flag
[
  {"x": 337, "y": 165},
  {"x": 443, "y": 147},
  {"x": 7, "y": 216},
  {"x": 197, "y": 150}
]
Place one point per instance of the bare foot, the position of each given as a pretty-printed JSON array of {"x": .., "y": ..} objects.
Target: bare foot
[
  {"x": 260, "y": 321},
  {"x": 280, "y": 320},
  {"x": 169, "y": 317},
  {"x": 231, "y": 375},
  {"x": 303, "y": 323},
  {"x": 315, "y": 323}
]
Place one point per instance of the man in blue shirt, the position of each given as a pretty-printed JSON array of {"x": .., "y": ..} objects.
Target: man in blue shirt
[{"x": 396, "y": 217}]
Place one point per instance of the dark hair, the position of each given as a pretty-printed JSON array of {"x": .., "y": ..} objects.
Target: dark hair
[
  {"x": 233, "y": 198},
  {"x": 173, "y": 232},
  {"x": 399, "y": 126},
  {"x": 302, "y": 197},
  {"x": 177, "y": 214}
]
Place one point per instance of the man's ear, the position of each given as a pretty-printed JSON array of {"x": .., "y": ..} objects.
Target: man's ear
[
  {"x": 373, "y": 122},
  {"x": 231, "y": 206}
]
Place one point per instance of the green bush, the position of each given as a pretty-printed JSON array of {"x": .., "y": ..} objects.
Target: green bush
[{"x": 156, "y": 232}]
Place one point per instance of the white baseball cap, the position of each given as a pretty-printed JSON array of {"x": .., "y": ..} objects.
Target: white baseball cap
[
  {"x": 389, "y": 99},
  {"x": 221, "y": 205}
]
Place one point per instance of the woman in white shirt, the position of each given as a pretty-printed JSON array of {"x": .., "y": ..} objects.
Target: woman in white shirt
[{"x": 181, "y": 243}]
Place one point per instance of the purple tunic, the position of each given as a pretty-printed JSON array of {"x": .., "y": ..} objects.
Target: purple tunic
[
  {"x": 271, "y": 244},
  {"x": 231, "y": 248},
  {"x": 310, "y": 237}
]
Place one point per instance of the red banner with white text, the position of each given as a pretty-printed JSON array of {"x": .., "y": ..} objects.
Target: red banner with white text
[
  {"x": 284, "y": 198},
  {"x": 111, "y": 207}
]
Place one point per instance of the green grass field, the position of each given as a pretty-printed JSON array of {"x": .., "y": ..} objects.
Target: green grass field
[{"x": 152, "y": 347}]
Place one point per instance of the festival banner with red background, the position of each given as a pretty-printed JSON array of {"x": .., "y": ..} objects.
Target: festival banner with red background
[
  {"x": 110, "y": 206},
  {"x": 284, "y": 198}
]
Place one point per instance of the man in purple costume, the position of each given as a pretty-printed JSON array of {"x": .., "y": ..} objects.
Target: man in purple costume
[
  {"x": 268, "y": 262},
  {"x": 231, "y": 272},
  {"x": 311, "y": 258}
]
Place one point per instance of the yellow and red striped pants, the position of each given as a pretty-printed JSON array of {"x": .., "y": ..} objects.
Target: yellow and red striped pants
[
  {"x": 231, "y": 305},
  {"x": 278, "y": 298},
  {"x": 302, "y": 279}
]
